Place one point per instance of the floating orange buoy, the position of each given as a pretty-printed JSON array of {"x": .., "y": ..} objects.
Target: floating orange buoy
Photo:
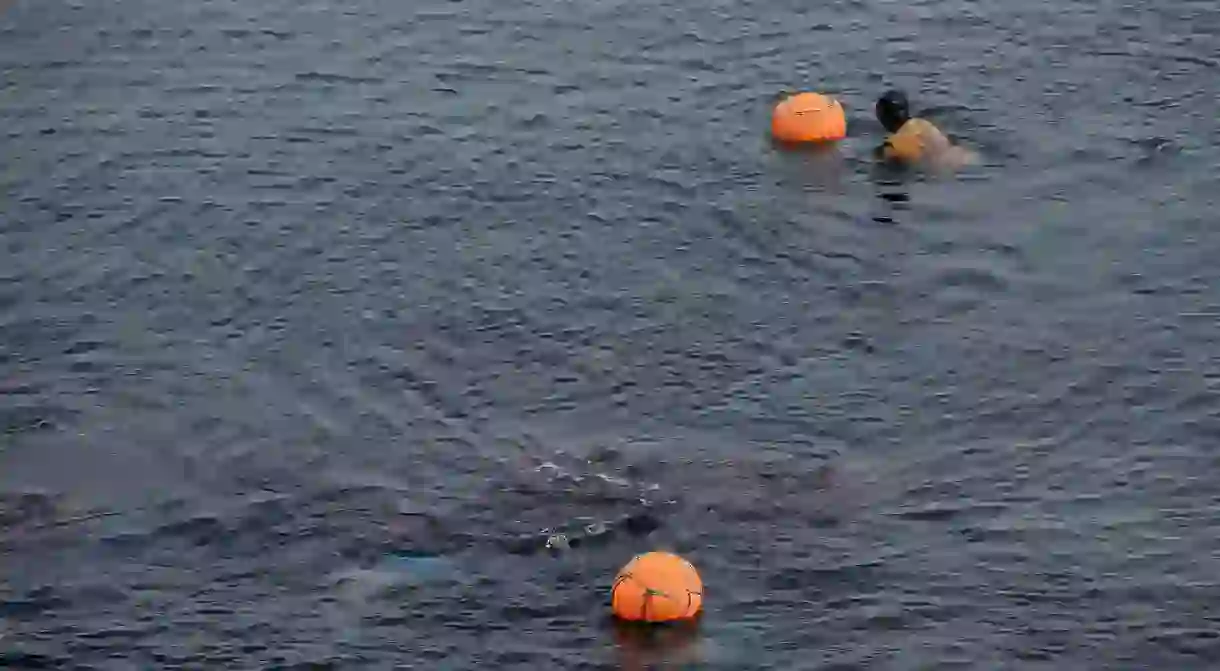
[
  {"x": 657, "y": 587},
  {"x": 808, "y": 117}
]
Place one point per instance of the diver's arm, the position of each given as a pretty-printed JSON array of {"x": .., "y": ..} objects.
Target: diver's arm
[{"x": 884, "y": 151}]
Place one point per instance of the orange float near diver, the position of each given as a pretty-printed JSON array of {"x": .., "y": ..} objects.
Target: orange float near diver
[
  {"x": 657, "y": 587},
  {"x": 808, "y": 117}
]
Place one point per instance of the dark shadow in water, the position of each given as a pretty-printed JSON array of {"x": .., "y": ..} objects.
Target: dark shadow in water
[
  {"x": 890, "y": 181},
  {"x": 645, "y": 646}
]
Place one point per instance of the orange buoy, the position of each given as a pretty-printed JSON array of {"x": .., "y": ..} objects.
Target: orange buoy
[
  {"x": 657, "y": 587},
  {"x": 808, "y": 117}
]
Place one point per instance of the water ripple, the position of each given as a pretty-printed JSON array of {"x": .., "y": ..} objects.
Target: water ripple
[{"x": 307, "y": 293}]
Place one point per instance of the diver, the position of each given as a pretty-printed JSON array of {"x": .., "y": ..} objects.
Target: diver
[{"x": 915, "y": 141}]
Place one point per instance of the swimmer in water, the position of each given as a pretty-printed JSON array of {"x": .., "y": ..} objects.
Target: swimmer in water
[{"x": 915, "y": 141}]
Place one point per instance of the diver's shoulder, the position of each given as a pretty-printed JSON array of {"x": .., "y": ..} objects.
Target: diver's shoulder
[{"x": 918, "y": 126}]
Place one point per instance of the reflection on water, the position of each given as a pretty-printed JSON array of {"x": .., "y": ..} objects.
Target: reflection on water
[
  {"x": 282, "y": 283},
  {"x": 812, "y": 167},
  {"x": 642, "y": 646},
  {"x": 891, "y": 185}
]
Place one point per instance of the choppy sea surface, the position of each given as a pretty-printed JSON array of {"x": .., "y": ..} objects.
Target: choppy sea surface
[{"x": 306, "y": 306}]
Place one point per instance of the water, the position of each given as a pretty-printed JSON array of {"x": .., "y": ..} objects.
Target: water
[{"x": 297, "y": 298}]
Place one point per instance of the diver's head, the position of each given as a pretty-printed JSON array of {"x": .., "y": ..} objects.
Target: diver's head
[{"x": 893, "y": 110}]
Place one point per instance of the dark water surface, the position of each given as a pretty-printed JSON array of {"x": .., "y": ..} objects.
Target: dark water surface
[{"x": 296, "y": 297}]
